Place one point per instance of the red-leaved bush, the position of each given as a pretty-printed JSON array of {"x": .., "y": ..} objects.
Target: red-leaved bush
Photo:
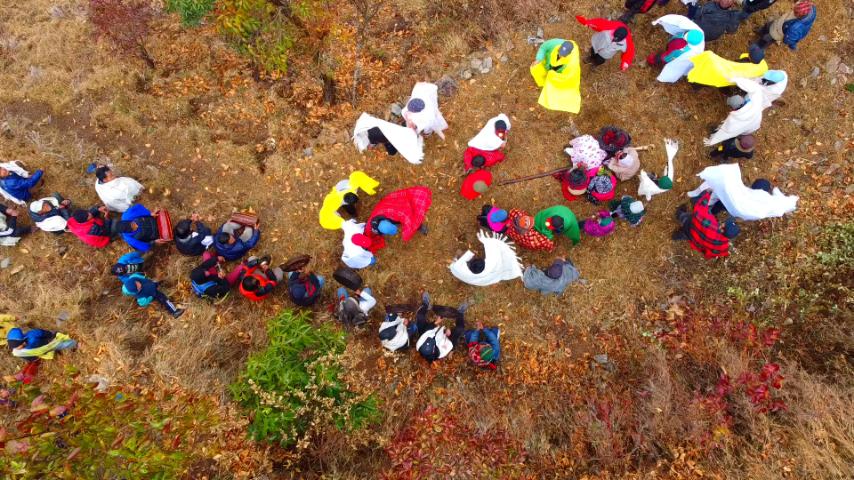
[{"x": 125, "y": 23}]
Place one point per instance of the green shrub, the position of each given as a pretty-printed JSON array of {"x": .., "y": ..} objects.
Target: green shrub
[
  {"x": 191, "y": 11},
  {"x": 294, "y": 387}
]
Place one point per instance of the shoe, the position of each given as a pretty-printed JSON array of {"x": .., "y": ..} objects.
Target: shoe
[
  {"x": 423, "y": 228},
  {"x": 425, "y": 299},
  {"x": 178, "y": 313},
  {"x": 679, "y": 235}
]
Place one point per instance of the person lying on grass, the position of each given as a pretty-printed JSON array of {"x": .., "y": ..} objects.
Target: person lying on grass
[{"x": 436, "y": 341}]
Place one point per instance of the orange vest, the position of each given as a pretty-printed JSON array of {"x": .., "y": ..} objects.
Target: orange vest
[{"x": 263, "y": 281}]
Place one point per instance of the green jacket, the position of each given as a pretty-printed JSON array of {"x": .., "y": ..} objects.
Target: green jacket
[
  {"x": 545, "y": 52},
  {"x": 570, "y": 224}
]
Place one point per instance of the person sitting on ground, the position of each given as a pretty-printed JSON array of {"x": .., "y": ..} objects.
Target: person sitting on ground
[
  {"x": 702, "y": 229},
  {"x": 789, "y": 28},
  {"x": 344, "y": 196},
  {"x": 610, "y": 37},
  {"x": 305, "y": 287},
  {"x": 553, "y": 279},
  {"x": 16, "y": 183},
  {"x": 493, "y": 218},
  {"x": 146, "y": 291},
  {"x": 557, "y": 220},
  {"x": 437, "y": 341},
  {"x": 353, "y": 310},
  {"x": 51, "y": 214},
  {"x": 734, "y": 148},
  {"x": 37, "y": 344},
  {"x": 421, "y": 112},
  {"x": 356, "y": 253},
  {"x": 128, "y": 264},
  {"x": 633, "y": 7},
  {"x": 484, "y": 354},
  {"x": 586, "y": 152},
  {"x": 600, "y": 226},
  {"x": 257, "y": 279},
  {"x": 10, "y": 231},
  {"x": 117, "y": 193},
  {"x": 612, "y": 140},
  {"x": 94, "y": 227},
  {"x": 573, "y": 183},
  {"x": 397, "y": 330},
  {"x": 139, "y": 228},
  {"x": 715, "y": 18},
  {"x": 628, "y": 209},
  {"x": 625, "y": 164},
  {"x": 602, "y": 186},
  {"x": 232, "y": 241},
  {"x": 485, "y": 149},
  {"x": 192, "y": 237},
  {"x": 209, "y": 279},
  {"x": 520, "y": 229}
]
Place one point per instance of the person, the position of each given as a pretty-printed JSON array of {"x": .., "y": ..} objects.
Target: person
[
  {"x": 789, "y": 28},
  {"x": 686, "y": 40},
  {"x": 421, "y": 112},
  {"x": 344, "y": 195},
  {"x": 716, "y": 18},
  {"x": 401, "y": 211},
  {"x": 192, "y": 237},
  {"x": 10, "y": 231},
  {"x": 493, "y": 218},
  {"x": 557, "y": 220},
  {"x": 146, "y": 291},
  {"x": 209, "y": 280},
  {"x": 499, "y": 262},
  {"x": 557, "y": 71},
  {"x": 397, "y": 330},
  {"x": 520, "y": 229},
  {"x": 486, "y": 148},
  {"x": 573, "y": 183},
  {"x": 117, "y": 193},
  {"x": 257, "y": 279},
  {"x": 748, "y": 118},
  {"x": 304, "y": 287},
  {"x": 650, "y": 184},
  {"x": 94, "y": 227},
  {"x": 628, "y": 209},
  {"x": 610, "y": 37},
  {"x": 16, "y": 183},
  {"x": 601, "y": 225},
  {"x": 602, "y": 186},
  {"x": 356, "y": 253},
  {"x": 586, "y": 153},
  {"x": 486, "y": 353},
  {"x": 436, "y": 341},
  {"x": 715, "y": 71},
  {"x": 752, "y": 6},
  {"x": 702, "y": 229},
  {"x": 625, "y": 164},
  {"x": 371, "y": 131},
  {"x": 232, "y": 241},
  {"x": 51, "y": 214},
  {"x": 553, "y": 279},
  {"x": 612, "y": 140},
  {"x": 476, "y": 184},
  {"x": 139, "y": 228},
  {"x": 734, "y": 149},
  {"x": 756, "y": 202},
  {"x": 128, "y": 264},
  {"x": 633, "y": 7},
  {"x": 354, "y": 310},
  {"x": 37, "y": 344}
]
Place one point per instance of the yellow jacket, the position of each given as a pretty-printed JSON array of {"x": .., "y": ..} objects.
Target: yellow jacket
[
  {"x": 560, "y": 90},
  {"x": 713, "y": 70},
  {"x": 329, "y": 218}
]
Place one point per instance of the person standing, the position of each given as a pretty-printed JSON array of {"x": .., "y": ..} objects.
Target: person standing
[{"x": 611, "y": 37}]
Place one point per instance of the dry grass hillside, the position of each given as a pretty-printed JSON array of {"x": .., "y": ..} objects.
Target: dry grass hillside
[{"x": 204, "y": 136}]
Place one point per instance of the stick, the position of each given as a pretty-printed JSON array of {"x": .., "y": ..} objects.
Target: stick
[
  {"x": 651, "y": 146},
  {"x": 534, "y": 176}
]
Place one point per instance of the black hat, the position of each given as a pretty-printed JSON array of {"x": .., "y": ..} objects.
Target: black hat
[
  {"x": 429, "y": 350},
  {"x": 478, "y": 161},
  {"x": 223, "y": 237},
  {"x": 476, "y": 265},
  {"x": 182, "y": 229},
  {"x": 80, "y": 215},
  {"x": 620, "y": 33},
  {"x": 500, "y": 126},
  {"x": 761, "y": 184},
  {"x": 350, "y": 198},
  {"x": 415, "y": 105},
  {"x": 250, "y": 283},
  {"x": 101, "y": 172}
]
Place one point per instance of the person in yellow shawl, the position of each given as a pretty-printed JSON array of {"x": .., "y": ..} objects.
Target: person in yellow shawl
[
  {"x": 345, "y": 195},
  {"x": 37, "y": 343},
  {"x": 557, "y": 70},
  {"x": 715, "y": 71}
]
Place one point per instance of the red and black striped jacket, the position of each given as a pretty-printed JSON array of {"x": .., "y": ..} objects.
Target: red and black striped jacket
[{"x": 704, "y": 234}]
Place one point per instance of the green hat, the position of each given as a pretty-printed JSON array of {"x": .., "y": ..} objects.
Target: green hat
[
  {"x": 486, "y": 353},
  {"x": 665, "y": 182},
  {"x": 605, "y": 221}
]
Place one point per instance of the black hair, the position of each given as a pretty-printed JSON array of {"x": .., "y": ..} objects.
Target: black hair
[
  {"x": 250, "y": 283},
  {"x": 182, "y": 229}
]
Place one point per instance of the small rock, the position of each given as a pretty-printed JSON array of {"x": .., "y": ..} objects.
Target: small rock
[
  {"x": 504, "y": 59},
  {"x": 486, "y": 67},
  {"x": 837, "y": 145},
  {"x": 570, "y": 129},
  {"x": 4, "y": 264},
  {"x": 554, "y": 19},
  {"x": 103, "y": 382},
  {"x": 466, "y": 74},
  {"x": 395, "y": 109},
  {"x": 540, "y": 32},
  {"x": 447, "y": 86},
  {"x": 476, "y": 63},
  {"x": 56, "y": 12},
  {"x": 824, "y": 189},
  {"x": 822, "y": 38},
  {"x": 804, "y": 82},
  {"x": 62, "y": 318},
  {"x": 849, "y": 190},
  {"x": 844, "y": 69},
  {"x": 832, "y": 64},
  {"x": 308, "y": 152},
  {"x": 815, "y": 72},
  {"x": 601, "y": 359}
]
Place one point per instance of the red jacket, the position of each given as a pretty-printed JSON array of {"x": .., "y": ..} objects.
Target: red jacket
[
  {"x": 490, "y": 157},
  {"x": 602, "y": 25},
  {"x": 705, "y": 235},
  {"x": 408, "y": 207},
  {"x": 81, "y": 230}
]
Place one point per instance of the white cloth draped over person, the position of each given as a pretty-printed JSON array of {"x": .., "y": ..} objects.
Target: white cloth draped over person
[
  {"x": 647, "y": 186},
  {"x": 54, "y": 223},
  {"x": 422, "y": 110},
  {"x": 679, "y": 26},
  {"x": 118, "y": 193},
  {"x": 748, "y": 118},
  {"x": 487, "y": 139},
  {"x": 500, "y": 262},
  {"x": 408, "y": 143},
  {"x": 740, "y": 200},
  {"x": 355, "y": 256}
]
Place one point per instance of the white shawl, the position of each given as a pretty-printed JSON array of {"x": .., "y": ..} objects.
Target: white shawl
[
  {"x": 647, "y": 187},
  {"x": 486, "y": 139},
  {"x": 501, "y": 262},
  {"x": 775, "y": 90},
  {"x": 746, "y": 119},
  {"x": 740, "y": 200},
  {"x": 55, "y": 223},
  {"x": 354, "y": 256},
  {"x": 6, "y": 240},
  {"x": 679, "y": 67},
  {"x": 14, "y": 168},
  {"x": 405, "y": 140},
  {"x": 429, "y": 120},
  {"x": 119, "y": 194}
]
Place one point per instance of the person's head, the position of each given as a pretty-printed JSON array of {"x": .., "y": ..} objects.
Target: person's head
[
  {"x": 386, "y": 227},
  {"x": 497, "y": 215},
  {"x": 415, "y": 105},
  {"x": 620, "y": 34},
  {"x": 761, "y": 184},
  {"x": 127, "y": 227},
  {"x": 555, "y": 270},
  {"x": 694, "y": 37},
  {"x": 802, "y": 8},
  {"x": 476, "y": 265},
  {"x": 3, "y": 172},
  {"x": 755, "y": 53},
  {"x": 745, "y": 143},
  {"x": 183, "y": 229},
  {"x": 14, "y": 338},
  {"x": 81, "y": 216},
  {"x": 523, "y": 223},
  {"x": 361, "y": 240},
  {"x": 665, "y": 183},
  {"x": 555, "y": 224},
  {"x": 478, "y": 161},
  {"x": 103, "y": 173},
  {"x": 636, "y": 207},
  {"x": 119, "y": 269},
  {"x": 486, "y": 352},
  {"x": 735, "y": 102},
  {"x": 350, "y": 198},
  {"x": 731, "y": 229},
  {"x": 249, "y": 284},
  {"x": 725, "y": 4},
  {"x": 565, "y": 49},
  {"x": 480, "y": 186},
  {"x": 225, "y": 238},
  {"x": 501, "y": 129}
]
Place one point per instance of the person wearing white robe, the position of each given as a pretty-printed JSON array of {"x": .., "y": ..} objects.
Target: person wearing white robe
[
  {"x": 647, "y": 186},
  {"x": 422, "y": 110},
  {"x": 408, "y": 143},
  {"x": 500, "y": 262},
  {"x": 55, "y": 219},
  {"x": 486, "y": 139},
  {"x": 117, "y": 193},
  {"x": 355, "y": 256},
  {"x": 678, "y": 25},
  {"x": 748, "y": 118},
  {"x": 740, "y": 200}
]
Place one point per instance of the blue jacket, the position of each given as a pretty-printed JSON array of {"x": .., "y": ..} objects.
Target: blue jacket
[
  {"x": 133, "y": 261},
  {"x": 238, "y": 248},
  {"x": 18, "y": 186},
  {"x": 796, "y": 29},
  {"x": 136, "y": 212},
  {"x": 145, "y": 294},
  {"x": 303, "y": 293}
]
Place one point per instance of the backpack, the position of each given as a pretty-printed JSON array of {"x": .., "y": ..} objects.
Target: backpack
[
  {"x": 349, "y": 313},
  {"x": 429, "y": 350}
]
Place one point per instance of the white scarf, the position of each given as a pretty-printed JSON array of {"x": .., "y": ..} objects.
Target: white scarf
[
  {"x": 5, "y": 239},
  {"x": 354, "y": 256},
  {"x": 118, "y": 195},
  {"x": 486, "y": 139},
  {"x": 55, "y": 223},
  {"x": 430, "y": 119},
  {"x": 401, "y": 336},
  {"x": 740, "y": 200},
  {"x": 405, "y": 140},
  {"x": 14, "y": 168},
  {"x": 746, "y": 119},
  {"x": 679, "y": 67},
  {"x": 500, "y": 259},
  {"x": 647, "y": 187}
]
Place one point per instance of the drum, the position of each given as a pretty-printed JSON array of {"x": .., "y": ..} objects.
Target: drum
[
  {"x": 348, "y": 277},
  {"x": 296, "y": 263},
  {"x": 164, "y": 225},
  {"x": 247, "y": 219}
]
